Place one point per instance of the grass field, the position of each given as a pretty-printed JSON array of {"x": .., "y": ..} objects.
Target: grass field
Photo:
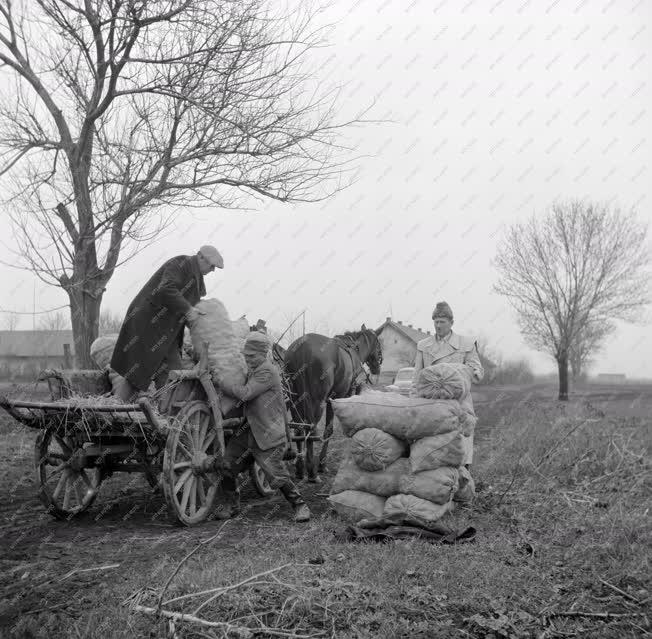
[{"x": 562, "y": 550}]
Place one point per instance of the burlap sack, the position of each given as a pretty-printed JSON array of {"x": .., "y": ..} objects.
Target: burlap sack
[
  {"x": 465, "y": 492},
  {"x": 354, "y": 505},
  {"x": 443, "y": 381},
  {"x": 413, "y": 511},
  {"x": 429, "y": 453},
  {"x": 101, "y": 353},
  {"x": 102, "y": 350},
  {"x": 224, "y": 351},
  {"x": 381, "y": 482},
  {"x": 372, "y": 449},
  {"x": 437, "y": 486},
  {"x": 406, "y": 418}
]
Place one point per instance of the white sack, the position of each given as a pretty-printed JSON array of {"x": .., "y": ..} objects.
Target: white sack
[
  {"x": 406, "y": 418},
  {"x": 354, "y": 505},
  {"x": 437, "y": 486},
  {"x": 429, "y": 453},
  {"x": 372, "y": 449}
]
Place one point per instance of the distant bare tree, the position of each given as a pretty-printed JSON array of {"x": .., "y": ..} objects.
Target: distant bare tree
[
  {"x": 123, "y": 111},
  {"x": 53, "y": 322},
  {"x": 405, "y": 356},
  {"x": 109, "y": 322},
  {"x": 11, "y": 321},
  {"x": 586, "y": 345},
  {"x": 581, "y": 265}
]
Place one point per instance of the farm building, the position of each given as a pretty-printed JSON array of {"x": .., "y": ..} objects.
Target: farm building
[
  {"x": 611, "y": 378},
  {"x": 399, "y": 344},
  {"x": 24, "y": 354}
]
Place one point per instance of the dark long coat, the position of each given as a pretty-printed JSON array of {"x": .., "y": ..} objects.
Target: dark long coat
[{"x": 155, "y": 319}]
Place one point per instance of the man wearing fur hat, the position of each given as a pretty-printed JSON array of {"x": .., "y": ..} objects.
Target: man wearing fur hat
[
  {"x": 263, "y": 436},
  {"x": 445, "y": 346}
]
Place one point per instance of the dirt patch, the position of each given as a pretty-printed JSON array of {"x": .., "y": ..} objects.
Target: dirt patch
[{"x": 56, "y": 573}]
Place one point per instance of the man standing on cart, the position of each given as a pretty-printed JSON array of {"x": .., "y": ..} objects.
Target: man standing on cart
[
  {"x": 263, "y": 436},
  {"x": 151, "y": 337}
]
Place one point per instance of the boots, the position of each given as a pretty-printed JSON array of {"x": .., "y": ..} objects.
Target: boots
[
  {"x": 301, "y": 510},
  {"x": 231, "y": 507}
]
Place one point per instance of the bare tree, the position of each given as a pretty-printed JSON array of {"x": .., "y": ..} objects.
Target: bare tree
[
  {"x": 581, "y": 265},
  {"x": 405, "y": 356},
  {"x": 586, "y": 345},
  {"x": 110, "y": 322},
  {"x": 53, "y": 322},
  {"x": 11, "y": 321},
  {"x": 125, "y": 110}
]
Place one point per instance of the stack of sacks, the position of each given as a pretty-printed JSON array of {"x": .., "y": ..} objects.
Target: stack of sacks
[
  {"x": 377, "y": 479},
  {"x": 451, "y": 381}
]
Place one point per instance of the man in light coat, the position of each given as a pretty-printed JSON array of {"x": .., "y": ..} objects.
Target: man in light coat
[{"x": 445, "y": 346}]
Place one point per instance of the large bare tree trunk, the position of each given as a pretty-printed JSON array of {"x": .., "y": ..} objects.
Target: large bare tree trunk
[
  {"x": 562, "y": 365},
  {"x": 85, "y": 318}
]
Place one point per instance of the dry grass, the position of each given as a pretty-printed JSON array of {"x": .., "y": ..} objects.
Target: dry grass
[{"x": 563, "y": 520}]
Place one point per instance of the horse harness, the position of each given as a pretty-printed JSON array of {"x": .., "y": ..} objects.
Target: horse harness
[{"x": 349, "y": 348}]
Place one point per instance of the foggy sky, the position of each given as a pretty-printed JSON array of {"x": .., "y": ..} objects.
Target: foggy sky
[{"x": 492, "y": 111}]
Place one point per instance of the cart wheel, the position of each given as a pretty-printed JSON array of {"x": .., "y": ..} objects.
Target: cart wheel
[
  {"x": 65, "y": 490},
  {"x": 259, "y": 479},
  {"x": 190, "y": 487}
]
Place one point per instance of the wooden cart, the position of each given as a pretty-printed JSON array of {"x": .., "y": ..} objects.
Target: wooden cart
[{"x": 178, "y": 443}]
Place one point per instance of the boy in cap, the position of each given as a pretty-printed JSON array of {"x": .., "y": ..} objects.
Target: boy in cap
[
  {"x": 151, "y": 337},
  {"x": 263, "y": 436}
]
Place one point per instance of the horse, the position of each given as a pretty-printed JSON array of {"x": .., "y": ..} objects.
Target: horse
[{"x": 320, "y": 368}]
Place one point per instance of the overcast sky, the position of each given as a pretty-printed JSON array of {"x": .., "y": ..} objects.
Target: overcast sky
[{"x": 497, "y": 108}]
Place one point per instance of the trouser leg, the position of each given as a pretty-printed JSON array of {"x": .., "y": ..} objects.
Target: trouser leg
[
  {"x": 271, "y": 463},
  {"x": 124, "y": 389},
  {"x": 171, "y": 362},
  {"x": 237, "y": 457}
]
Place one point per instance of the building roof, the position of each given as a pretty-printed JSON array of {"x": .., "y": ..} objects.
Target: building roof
[
  {"x": 35, "y": 343},
  {"x": 413, "y": 334}
]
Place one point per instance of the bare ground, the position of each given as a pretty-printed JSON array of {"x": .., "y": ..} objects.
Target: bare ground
[{"x": 69, "y": 578}]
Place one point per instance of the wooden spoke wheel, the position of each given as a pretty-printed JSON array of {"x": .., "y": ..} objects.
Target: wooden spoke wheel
[
  {"x": 259, "y": 480},
  {"x": 65, "y": 488},
  {"x": 189, "y": 480}
]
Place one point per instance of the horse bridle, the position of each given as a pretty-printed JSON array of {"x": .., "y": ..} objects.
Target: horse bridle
[{"x": 353, "y": 344}]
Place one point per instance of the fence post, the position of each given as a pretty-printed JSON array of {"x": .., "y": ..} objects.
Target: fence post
[{"x": 67, "y": 359}]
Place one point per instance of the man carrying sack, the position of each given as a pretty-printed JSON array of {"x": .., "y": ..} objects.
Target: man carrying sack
[
  {"x": 445, "y": 346},
  {"x": 262, "y": 437},
  {"x": 151, "y": 337}
]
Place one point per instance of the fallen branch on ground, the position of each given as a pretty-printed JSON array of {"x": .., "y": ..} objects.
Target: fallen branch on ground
[
  {"x": 225, "y": 625},
  {"x": 76, "y": 571},
  {"x": 205, "y": 542},
  {"x": 620, "y": 592},
  {"x": 596, "y": 615}
]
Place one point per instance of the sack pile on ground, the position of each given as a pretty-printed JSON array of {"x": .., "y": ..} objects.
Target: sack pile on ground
[
  {"x": 403, "y": 462},
  {"x": 224, "y": 347}
]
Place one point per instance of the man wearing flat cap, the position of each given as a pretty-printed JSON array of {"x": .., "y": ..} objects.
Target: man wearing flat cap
[
  {"x": 445, "y": 346},
  {"x": 263, "y": 436},
  {"x": 151, "y": 337}
]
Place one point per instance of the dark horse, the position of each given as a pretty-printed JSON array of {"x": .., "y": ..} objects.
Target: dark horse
[{"x": 319, "y": 368}]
